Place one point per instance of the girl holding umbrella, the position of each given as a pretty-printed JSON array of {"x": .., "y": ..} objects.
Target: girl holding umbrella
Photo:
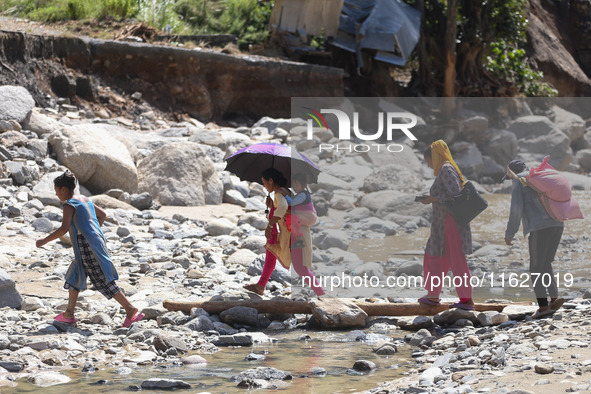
[{"x": 278, "y": 242}]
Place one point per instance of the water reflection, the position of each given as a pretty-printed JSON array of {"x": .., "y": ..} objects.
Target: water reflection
[{"x": 301, "y": 358}]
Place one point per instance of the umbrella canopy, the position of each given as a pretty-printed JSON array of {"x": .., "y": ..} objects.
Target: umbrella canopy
[{"x": 250, "y": 162}]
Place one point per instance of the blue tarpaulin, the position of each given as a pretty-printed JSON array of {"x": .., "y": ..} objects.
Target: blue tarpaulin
[{"x": 390, "y": 27}]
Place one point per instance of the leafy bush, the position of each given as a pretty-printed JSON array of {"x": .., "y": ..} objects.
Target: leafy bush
[
  {"x": 247, "y": 19},
  {"x": 120, "y": 9},
  {"x": 509, "y": 62}
]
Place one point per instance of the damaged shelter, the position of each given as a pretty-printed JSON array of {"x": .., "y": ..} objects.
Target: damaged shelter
[{"x": 388, "y": 29}]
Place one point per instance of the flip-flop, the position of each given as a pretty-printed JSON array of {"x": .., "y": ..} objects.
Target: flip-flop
[
  {"x": 63, "y": 319},
  {"x": 538, "y": 314},
  {"x": 252, "y": 287},
  {"x": 460, "y": 305},
  {"x": 128, "y": 322},
  {"x": 557, "y": 303},
  {"x": 428, "y": 301}
]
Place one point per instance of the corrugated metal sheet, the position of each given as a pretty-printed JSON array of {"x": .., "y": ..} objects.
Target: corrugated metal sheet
[
  {"x": 390, "y": 27},
  {"x": 312, "y": 17}
]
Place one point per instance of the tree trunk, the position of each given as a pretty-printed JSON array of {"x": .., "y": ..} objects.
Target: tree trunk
[
  {"x": 450, "y": 49},
  {"x": 303, "y": 307},
  {"x": 449, "y": 75}
]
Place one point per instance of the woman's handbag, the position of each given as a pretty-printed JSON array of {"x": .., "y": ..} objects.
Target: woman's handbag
[{"x": 466, "y": 206}]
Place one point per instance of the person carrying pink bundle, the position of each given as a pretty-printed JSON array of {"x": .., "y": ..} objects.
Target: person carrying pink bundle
[{"x": 83, "y": 220}]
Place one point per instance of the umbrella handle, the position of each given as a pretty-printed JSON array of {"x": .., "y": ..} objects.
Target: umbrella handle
[{"x": 267, "y": 208}]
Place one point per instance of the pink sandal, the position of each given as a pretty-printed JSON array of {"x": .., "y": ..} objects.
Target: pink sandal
[
  {"x": 128, "y": 322},
  {"x": 63, "y": 319}
]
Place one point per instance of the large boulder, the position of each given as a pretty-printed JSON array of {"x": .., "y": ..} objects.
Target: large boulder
[
  {"x": 180, "y": 173},
  {"x": 393, "y": 177},
  {"x": 16, "y": 103},
  {"x": 336, "y": 313},
  {"x": 41, "y": 124},
  {"x": 501, "y": 146},
  {"x": 99, "y": 161},
  {"x": 538, "y": 137},
  {"x": 9, "y": 296},
  {"x": 468, "y": 158},
  {"x": 570, "y": 124}
]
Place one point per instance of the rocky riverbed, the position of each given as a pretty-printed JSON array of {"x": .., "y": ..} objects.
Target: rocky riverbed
[{"x": 180, "y": 227}]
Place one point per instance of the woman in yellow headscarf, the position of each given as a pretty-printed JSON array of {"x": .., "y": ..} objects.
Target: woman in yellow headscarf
[{"x": 448, "y": 243}]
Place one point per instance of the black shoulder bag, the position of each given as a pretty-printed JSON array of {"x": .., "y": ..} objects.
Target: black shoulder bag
[{"x": 466, "y": 206}]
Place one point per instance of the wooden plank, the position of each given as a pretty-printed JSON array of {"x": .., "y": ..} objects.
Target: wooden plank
[{"x": 303, "y": 307}]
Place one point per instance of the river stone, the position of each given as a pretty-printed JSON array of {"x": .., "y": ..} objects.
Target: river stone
[
  {"x": 468, "y": 158},
  {"x": 485, "y": 318},
  {"x": 538, "y": 135},
  {"x": 429, "y": 376},
  {"x": 569, "y": 123},
  {"x": 280, "y": 274},
  {"x": 221, "y": 226},
  {"x": 334, "y": 238},
  {"x": 234, "y": 197},
  {"x": 242, "y": 257},
  {"x": 164, "y": 342},
  {"x": 201, "y": 323},
  {"x": 99, "y": 161},
  {"x": 254, "y": 243},
  {"x": 255, "y": 357},
  {"x": 22, "y": 173},
  {"x": 413, "y": 323},
  {"x": 9, "y": 296},
  {"x": 262, "y": 373},
  {"x": 543, "y": 368},
  {"x": 240, "y": 315},
  {"x": 41, "y": 124},
  {"x": 393, "y": 176},
  {"x": 364, "y": 366},
  {"x": 141, "y": 201},
  {"x": 31, "y": 304},
  {"x": 518, "y": 312},
  {"x": 419, "y": 336},
  {"x": 525, "y": 348},
  {"x": 43, "y": 225},
  {"x": 164, "y": 384},
  {"x": 48, "y": 378},
  {"x": 4, "y": 342},
  {"x": 12, "y": 139},
  {"x": 410, "y": 268},
  {"x": 102, "y": 319},
  {"x": 12, "y": 366},
  {"x": 501, "y": 146},
  {"x": 336, "y": 313},
  {"x": 16, "y": 103},
  {"x": 180, "y": 173},
  {"x": 154, "y": 311},
  {"x": 584, "y": 159},
  {"x": 385, "y": 348},
  {"x": 141, "y": 357},
  {"x": 194, "y": 360},
  {"x": 256, "y": 220},
  {"x": 451, "y": 316}
]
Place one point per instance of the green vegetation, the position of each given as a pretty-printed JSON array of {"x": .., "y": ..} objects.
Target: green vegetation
[
  {"x": 490, "y": 34},
  {"x": 247, "y": 19},
  {"x": 511, "y": 64},
  {"x": 490, "y": 38}
]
